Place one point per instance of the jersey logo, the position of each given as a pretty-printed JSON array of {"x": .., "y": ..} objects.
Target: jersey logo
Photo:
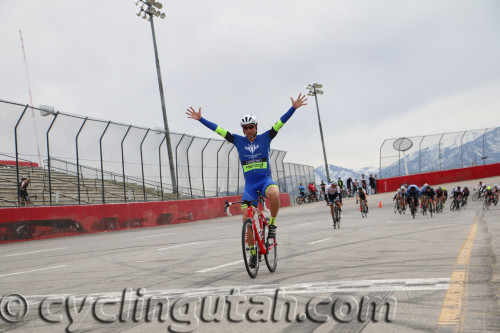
[{"x": 252, "y": 148}]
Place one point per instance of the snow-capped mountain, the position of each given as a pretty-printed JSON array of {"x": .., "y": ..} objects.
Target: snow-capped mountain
[{"x": 344, "y": 173}]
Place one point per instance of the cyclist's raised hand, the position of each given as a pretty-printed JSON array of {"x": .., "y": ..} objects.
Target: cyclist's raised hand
[
  {"x": 192, "y": 113},
  {"x": 299, "y": 101}
]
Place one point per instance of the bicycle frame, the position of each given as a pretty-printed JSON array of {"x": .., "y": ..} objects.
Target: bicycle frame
[
  {"x": 251, "y": 211},
  {"x": 256, "y": 234}
]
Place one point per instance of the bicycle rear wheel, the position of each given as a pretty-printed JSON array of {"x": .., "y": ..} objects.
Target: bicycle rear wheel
[
  {"x": 335, "y": 215},
  {"x": 252, "y": 271},
  {"x": 271, "y": 255}
]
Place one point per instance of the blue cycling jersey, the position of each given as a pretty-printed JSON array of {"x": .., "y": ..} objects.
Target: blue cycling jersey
[
  {"x": 254, "y": 155},
  {"x": 409, "y": 192}
]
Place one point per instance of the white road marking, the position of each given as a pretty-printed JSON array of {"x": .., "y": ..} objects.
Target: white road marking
[
  {"x": 20, "y": 254},
  {"x": 225, "y": 226},
  {"x": 176, "y": 246},
  {"x": 318, "y": 241},
  {"x": 388, "y": 221},
  {"x": 430, "y": 284},
  {"x": 170, "y": 233},
  {"x": 220, "y": 266},
  {"x": 303, "y": 224},
  {"x": 33, "y": 270}
]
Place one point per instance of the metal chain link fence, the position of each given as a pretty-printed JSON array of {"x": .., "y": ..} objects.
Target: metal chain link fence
[
  {"x": 84, "y": 161},
  {"x": 443, "y": 151}
]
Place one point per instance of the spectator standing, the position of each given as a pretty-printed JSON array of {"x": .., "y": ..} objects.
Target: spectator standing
[
  {"x": 23, "y": 192},
  {"x": 372, "y": 184},
  {"x": 364, "y": 183}
]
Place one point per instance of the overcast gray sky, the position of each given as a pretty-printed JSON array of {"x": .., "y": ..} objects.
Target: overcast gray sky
[{"x": 388, "y": 68}]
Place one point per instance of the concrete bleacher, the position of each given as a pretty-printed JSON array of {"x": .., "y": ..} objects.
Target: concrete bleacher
[{"x": 64, "y": 188}]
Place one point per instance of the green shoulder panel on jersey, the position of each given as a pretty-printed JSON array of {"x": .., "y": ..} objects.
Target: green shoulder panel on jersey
[
  {"x": 222, "y": 132},
  {"x": 278, "y": 125}
]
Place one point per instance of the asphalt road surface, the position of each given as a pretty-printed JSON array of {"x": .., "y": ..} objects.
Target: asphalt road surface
[{"x": 384, "y": 273}]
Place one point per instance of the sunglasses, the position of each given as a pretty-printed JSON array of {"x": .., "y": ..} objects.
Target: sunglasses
[{"x": 248, "y": 127}]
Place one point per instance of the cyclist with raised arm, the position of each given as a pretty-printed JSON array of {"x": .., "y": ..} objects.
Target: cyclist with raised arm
[
  {"x": 334, "y": 196},
  {"x": 361, "y": 197},
  {"x": 253, "y": 151}
]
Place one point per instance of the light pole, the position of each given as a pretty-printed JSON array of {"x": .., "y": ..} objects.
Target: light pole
[
  {"x": 149, "y": 9},
  {"x": 314, "y": 90}
]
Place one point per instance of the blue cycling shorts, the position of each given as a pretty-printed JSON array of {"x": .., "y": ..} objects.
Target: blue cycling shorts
[{"x": 250, "y": 192}]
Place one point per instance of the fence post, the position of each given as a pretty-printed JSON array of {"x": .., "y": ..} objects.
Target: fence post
[
  {"x": 17, "y": 155},
  {"x": 177, "y": 166},
  {"x": 102, "y": 165},
  {"x": 189, "y": 171},
  {"x": 123, "y": 164},
  {"x": 380, "y": 159},
  {"x": 420, "y": 155},
  {"x": 439, "y": 159},
  {"x": 78, "y": 159},
  {"x": 142, "y": 166},
  {"x": 217, "y": 171},
  {"x": 484, "y": 156},
  {"x": 48, "y": 157},
  {"x": 461, "y": 150},
  {"x": 284, "y": 173},
  {"x": 202, "y": 174},
  {"x": 228, "y": 159},
  {"x": 159, "y": 162}
]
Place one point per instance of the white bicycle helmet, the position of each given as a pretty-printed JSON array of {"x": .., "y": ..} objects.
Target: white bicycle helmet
[
  {"x": 403, "y": 188},
  {"x": 334, "y": 183},
  {"x": 248, "y": 119}
]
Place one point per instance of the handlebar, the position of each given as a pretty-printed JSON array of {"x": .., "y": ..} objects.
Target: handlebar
[{"x": 260, "y": 199}]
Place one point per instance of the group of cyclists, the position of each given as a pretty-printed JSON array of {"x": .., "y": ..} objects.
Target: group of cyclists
[
  {"x": 490, "y": 193},
  {"x": 427, "y": 197}
]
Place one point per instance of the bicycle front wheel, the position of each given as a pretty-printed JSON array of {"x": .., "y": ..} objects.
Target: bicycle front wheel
[
  {"x": 246, "y": 235},
  {"x": 298, "y": 200},
  {"x": 271, "y": 255},
  {"x": 475, "y": 196}
]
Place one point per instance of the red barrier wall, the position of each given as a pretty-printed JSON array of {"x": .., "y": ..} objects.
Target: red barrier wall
[
  {"x": 439, "y": 177},
  {"x": 30, "y": 164},
  {"x": 29, "y": 223}
]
